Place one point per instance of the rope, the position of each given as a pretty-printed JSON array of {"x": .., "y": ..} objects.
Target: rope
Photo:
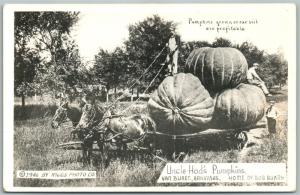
[
  {"x": 145, "y": 89},
  {"x": 148, "y": 66},
  {"x": 116, "y": 134},
  {"x": 142, "y": 74},
  {"x": 113, "y": 103}
]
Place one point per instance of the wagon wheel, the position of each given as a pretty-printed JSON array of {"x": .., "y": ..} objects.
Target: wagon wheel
[
  {"x": 148, "y": 142},
  {"x": 241, "y": 140},
  {"x": 178, "y": 157}
]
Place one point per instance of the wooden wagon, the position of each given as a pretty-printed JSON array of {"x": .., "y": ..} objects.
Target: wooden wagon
[{"x": 153, "y": 146}]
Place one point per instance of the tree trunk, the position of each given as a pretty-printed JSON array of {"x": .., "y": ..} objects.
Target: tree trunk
[
  {"x": 107, "y": 92},
  {"x": 115, "y": 92},
  {"x": 23, "y": 106},
  {"x": 23, "y": 101},
  {"x": 107, "y": 95},
  {"x": 131, "y": 98},
  {"x": 35, "y": 97},
  {"x": 137, "y": 92}
]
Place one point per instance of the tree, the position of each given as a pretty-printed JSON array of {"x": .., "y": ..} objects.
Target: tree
[
  {"x": 110, "y": 69},
  {"x": 24, "y": 58},
  {"x": 251, "y": 53},
  {"x": 146, "y": 40},
  {"x": 186, "y": 48},
  {"x": 41, "y": 34},
  {"x": 273, "y": 67},
  {"x": 221, "y": 42},
  {"x": 274, "y": 70},
  {"x": 66, "y": 75},
  {"x": 25, "y": 71}
]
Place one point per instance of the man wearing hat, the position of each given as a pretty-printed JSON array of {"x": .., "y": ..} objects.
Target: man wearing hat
[
  {"x": 272, "y": 114},
  {"x": 253, "y": 78},
  {"x": 172, "y": 57}
]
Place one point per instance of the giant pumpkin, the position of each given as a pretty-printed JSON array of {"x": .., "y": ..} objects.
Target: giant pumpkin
[
  {"x": 239, "y": 107},
  {"x": 217, "y": 68},
  {"x": 181, "y": 105}
]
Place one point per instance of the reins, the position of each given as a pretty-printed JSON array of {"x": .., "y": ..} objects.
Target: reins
[
  {"x": 116, "y": 134},
  {"x": 131, "y": 86}
]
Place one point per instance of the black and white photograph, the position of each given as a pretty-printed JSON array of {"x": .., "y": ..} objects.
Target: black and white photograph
[{"x": 149, "y": 97}]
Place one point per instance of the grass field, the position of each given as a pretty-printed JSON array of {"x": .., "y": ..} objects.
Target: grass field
[{"x": 35, "y": 141}]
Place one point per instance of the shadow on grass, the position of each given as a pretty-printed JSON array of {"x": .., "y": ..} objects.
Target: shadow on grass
[{"x": 33, "y": 111}]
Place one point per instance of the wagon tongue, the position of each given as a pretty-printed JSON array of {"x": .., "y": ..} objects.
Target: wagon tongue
[{"x": 70, "y": 145}]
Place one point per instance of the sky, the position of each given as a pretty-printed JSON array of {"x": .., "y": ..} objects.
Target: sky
[{"x": 106, "y": 26}]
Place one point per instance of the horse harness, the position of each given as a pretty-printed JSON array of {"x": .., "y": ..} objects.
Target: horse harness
[
  {"x": 66, "y": 118},
  {"x": 122, "y": 135}
]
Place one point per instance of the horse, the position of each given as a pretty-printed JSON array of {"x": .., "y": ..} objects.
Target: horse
[
  {"x": 122, "y": 129},
  {"x": 88, "y": 130},
  {"x": 131, "y": 128},
  {"x": 64, "y": 114}
]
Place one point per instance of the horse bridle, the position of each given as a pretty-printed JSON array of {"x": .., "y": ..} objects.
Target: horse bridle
[
  {"x": 116, "y": 134},
  {"x": 65, "y": 116}
]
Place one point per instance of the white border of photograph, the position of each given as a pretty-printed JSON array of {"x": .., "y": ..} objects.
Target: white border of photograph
[{"x": 8, "y": 98}]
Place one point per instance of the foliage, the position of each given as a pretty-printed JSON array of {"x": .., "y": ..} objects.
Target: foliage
[
  {"x": 251, "y": 52},
  {"x": 221, "y": 42},
  {"x": 65, "y": 74},
  {"x": 124, "y": 66},
  {"x": 273, "y": 69},
  {"x": 185, "y": 50},
  {"x": 47, "y": 58},
  {"x": 110, "y": 69},
  {"x": 40, "y": 37},
  {"x": 146, "y": 39},
  {"x": 25, "y": 71}
]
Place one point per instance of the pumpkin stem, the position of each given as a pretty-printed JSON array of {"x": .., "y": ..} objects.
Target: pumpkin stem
[{"x": 176, "y": 111}]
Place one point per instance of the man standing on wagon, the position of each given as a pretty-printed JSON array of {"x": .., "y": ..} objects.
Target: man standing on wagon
[
  {"x": 254, "y": 79},
  {"x": 172, "y": 57}
]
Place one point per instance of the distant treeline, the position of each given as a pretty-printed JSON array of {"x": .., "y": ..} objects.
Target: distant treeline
[{"x": 40, "y": 34}]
